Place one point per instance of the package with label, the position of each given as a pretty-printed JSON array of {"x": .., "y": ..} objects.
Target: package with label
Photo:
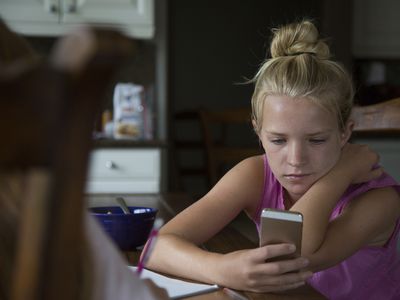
[{"x": 128, "y": 111}]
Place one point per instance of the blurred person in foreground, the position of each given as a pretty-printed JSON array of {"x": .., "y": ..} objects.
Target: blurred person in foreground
[{"x": 104, "y": 273}]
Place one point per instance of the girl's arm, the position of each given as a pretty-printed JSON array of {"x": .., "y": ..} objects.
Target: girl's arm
[
  {"x": 367, "y": 219},
  {"x": 177, "y": 250}
]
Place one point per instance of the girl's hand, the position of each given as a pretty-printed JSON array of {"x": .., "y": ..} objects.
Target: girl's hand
[
  {"x": 359, "y": 163},
  {"x": 247, "y": 269}
]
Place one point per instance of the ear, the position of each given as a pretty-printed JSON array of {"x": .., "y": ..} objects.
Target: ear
[
  {"x": 253, "y": 122},
  {"x": 346, "y": 133}
]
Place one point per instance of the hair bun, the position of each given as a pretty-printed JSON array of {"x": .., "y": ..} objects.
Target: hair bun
[{"x": 297, "y": 39}]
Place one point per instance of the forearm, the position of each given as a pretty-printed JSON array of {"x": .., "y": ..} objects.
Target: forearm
[
  {"x": 316, "y": 206},
  {"x": 178, "y": 257},
  {"x": 242, "y": 269}
]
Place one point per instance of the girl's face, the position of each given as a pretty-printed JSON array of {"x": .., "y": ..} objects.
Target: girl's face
[{"x": 302, "y": 142}]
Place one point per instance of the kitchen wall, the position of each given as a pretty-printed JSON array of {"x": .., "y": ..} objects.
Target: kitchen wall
[{"x": 215, "y": 44}]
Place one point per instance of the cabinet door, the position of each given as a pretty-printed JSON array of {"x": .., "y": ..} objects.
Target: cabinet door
[
  {"x": 56, "y": 17},
  {"x": 136, "y": 17},
  {"x": 124, "y": 171},
  {"x": 20, "y": 13}
]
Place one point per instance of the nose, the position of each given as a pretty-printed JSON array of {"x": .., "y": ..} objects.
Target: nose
[{"x": 297, "y": 154}]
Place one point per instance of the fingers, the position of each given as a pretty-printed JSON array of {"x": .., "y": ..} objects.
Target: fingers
[
  {"x": 360, "y": 162},
  {"x": 271, "y": 251},
  {"x": 372, "y": 174},
  {"x": 281, "y": 288},
  {"x": 280, "y": 266},
  {"x": 375, "y": 173},
  {"x": 269, "y": 283},
  {"x": 284, "y": 266},
  {"x": 260, "y": 276},
  {"x": 289, "y": 278}
]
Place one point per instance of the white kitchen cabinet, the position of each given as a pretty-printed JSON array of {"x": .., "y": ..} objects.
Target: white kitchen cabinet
[
  {"x": 376, "y": 29},
  {"x": 125, "y": 170},
  {"x": 56, "y": 17}
]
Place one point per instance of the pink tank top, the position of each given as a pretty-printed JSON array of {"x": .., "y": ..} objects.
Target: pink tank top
[{"x": 370, "y": 273}]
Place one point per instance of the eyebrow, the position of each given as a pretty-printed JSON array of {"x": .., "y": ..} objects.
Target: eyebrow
[{"x": 322, "y": 132}]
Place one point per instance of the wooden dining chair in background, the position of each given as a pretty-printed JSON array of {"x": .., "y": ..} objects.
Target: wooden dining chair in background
[
  {"x": 48, "y": 111},
  {"x": 187, "y": 155},
  {"x": 377, "y": 119},
  {"x": 228, "y": 138}
]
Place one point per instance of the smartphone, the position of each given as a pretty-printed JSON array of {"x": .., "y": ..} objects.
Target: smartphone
[{"x": 281, "y": 226}]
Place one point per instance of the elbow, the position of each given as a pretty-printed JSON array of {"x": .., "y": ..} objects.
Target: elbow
[
  {"x": 316, "y": 265},
  {"x": 310, "y": 249},
  {"x": 320, "y": 260}
]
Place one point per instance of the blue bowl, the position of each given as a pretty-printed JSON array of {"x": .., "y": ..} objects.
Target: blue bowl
[{"x": 128, "y": 231}]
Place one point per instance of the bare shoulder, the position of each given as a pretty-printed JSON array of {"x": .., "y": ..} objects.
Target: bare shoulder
[
  {"x": 253, "y": 165},
  {"x": 385, "y": 198},
  {"x": 244, "y": 183},
  {"x": 248, "y": 170},
  {"x": 368, "y": 220},
  {"x": 380, "y": 208}
]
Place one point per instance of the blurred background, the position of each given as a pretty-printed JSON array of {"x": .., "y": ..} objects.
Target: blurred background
[{"x": 194, "y": 56}]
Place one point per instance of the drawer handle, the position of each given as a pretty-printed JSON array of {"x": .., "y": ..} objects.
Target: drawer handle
[
  {"x": 110, "y": 165},
  {"x": 53, "y": 8}
]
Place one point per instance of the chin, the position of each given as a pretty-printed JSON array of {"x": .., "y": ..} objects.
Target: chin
[
  {"x": 299, "y": 192},
  {"x": 297, "y": 189}
]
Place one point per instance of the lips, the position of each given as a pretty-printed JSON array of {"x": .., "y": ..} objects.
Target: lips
[{"x": 296, "y": 176}]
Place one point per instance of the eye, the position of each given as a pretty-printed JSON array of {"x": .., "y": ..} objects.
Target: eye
[
  {"x": 278, "y": 141},
  {"x": 316, "y": 141}
]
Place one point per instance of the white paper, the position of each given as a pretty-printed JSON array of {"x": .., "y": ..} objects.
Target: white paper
[{"x": 176, "y": 288}]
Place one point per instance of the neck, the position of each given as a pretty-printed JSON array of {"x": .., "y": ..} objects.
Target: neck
[{"x": 289, "y": 199}]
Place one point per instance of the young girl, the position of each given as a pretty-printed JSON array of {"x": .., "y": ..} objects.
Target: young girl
[{"x": 351, "y": 208}]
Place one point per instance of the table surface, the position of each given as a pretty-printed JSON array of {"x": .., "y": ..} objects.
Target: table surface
[{"x": 229, "y": 239}]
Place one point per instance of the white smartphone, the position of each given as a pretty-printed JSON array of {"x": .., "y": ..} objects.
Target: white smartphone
[{"x": 281, "y": 226}]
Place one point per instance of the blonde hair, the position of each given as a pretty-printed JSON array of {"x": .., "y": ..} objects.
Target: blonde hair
[{"x": 300, "y": 67}]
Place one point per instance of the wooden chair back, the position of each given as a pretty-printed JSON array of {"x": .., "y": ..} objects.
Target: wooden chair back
[
  {"x": 48, "y": 111},
  {"x": 187, "y": 142},
  {"x": 224, "y": 147},
  {"x": 378, "y": 119}
]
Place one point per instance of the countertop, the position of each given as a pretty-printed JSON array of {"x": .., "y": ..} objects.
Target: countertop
[{"x": 100, "y": 141}]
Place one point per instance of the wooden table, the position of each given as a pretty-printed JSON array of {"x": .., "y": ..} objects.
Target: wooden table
[{"x": 229, "y": 239}]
